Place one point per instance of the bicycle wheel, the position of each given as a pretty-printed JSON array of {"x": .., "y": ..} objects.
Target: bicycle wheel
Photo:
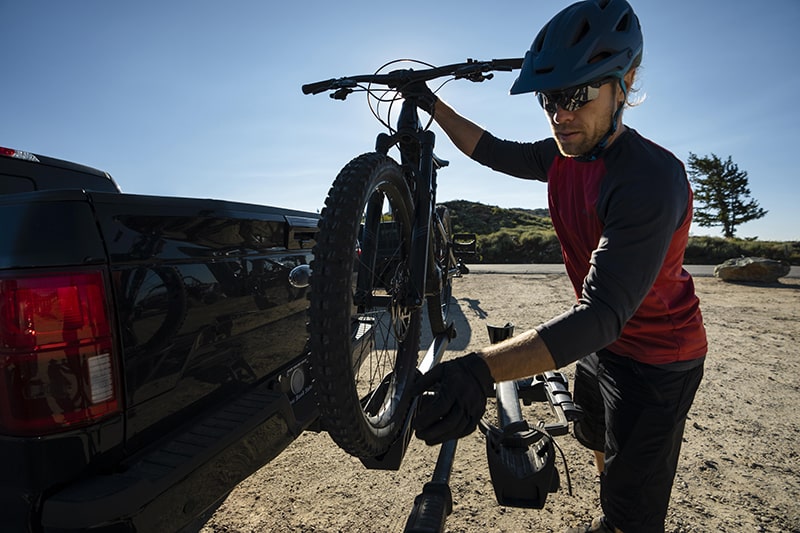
[
  {"x": 364, "y": 338},
  {"x": 441, "y": 283}
]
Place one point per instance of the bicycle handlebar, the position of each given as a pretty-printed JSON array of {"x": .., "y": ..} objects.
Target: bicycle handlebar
[{"x": 472, "y": 70}]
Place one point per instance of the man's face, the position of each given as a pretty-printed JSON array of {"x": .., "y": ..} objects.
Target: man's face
[{"x": 578, "y": 132}]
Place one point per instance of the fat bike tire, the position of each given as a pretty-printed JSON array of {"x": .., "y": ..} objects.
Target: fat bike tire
[{"x": 364, "y": 339}]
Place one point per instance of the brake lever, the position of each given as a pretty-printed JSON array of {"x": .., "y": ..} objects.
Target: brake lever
[
  {"x": 474, "y": 71},
  {"x": 341, "y": 94},
  {"x": 476, "y": 76}
]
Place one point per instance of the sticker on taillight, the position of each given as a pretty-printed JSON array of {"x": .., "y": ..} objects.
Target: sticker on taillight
[{"x": 101, "y": 377}]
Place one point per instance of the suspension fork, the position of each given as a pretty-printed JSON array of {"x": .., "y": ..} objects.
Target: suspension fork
[
  {"x": 416, "y": 153},
  {"x": 423, "y": 211}
]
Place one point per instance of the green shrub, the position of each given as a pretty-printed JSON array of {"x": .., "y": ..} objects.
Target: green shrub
[
  {"x": 527, "y": 236},
  {"x": 519, "y": 245},
  {"x": 715, "y": 250}
]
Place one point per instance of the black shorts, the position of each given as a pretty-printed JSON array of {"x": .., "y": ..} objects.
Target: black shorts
[{"x": 634, "y": 413}]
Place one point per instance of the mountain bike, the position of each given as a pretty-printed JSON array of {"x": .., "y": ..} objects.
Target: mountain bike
[{"x": 384, "y": 252}]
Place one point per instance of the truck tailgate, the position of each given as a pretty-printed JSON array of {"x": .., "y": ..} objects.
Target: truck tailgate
[{"x": 204, "y": 300}]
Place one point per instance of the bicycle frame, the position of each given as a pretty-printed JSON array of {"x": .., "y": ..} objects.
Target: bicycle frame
[{"x": 416, "y": 156}]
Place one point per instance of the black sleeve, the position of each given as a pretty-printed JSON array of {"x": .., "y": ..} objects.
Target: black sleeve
[{"x": 521, "y": 160}]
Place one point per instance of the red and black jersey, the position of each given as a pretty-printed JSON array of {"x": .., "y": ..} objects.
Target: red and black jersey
[{"x": 623, "y": 223}]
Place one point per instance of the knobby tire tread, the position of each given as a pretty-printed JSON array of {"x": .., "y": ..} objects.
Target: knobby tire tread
[{"x": 331, "y": 304}]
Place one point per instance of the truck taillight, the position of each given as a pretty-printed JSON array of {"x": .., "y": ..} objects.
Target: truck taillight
[
  {"x": 57, "y": 367},
  {"x": 18, "y": 154}
]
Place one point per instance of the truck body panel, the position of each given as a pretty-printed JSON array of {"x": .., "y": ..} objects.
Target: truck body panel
[{"x": 209, "y": 349}]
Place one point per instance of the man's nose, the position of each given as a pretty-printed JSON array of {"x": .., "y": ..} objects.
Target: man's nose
[{"x": 562, "y": 116}]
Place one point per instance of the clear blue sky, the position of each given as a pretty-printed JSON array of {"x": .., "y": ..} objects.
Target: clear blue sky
[{"x": 202, "y": 99}]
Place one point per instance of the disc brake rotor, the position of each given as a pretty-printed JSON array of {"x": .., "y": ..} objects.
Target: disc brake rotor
[{"x": 399, "y": 290}]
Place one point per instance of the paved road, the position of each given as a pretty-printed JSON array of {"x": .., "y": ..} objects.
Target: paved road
[{"x": 694, "y": 270}]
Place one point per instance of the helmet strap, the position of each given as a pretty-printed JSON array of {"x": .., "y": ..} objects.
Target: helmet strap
[{"x": 600, "y": 146}]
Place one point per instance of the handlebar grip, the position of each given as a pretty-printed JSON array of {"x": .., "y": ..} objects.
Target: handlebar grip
[
  {"x": 507, "y": 64},
  {"x": 318, "y": 87}
]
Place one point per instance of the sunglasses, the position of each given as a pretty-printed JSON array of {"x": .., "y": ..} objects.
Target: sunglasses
[{"x": 570, "y": 99}]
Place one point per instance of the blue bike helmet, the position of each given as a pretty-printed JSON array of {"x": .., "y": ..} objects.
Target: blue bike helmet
[{"x": 584, "y": 43}]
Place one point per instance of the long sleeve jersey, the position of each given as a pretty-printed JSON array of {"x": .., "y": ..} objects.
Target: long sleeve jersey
[{"x": 623, "y": 223}]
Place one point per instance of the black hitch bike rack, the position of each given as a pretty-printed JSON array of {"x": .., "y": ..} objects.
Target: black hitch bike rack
[
  {"x": 521, "y": 458},
  {"x": 435, "y": 502}
]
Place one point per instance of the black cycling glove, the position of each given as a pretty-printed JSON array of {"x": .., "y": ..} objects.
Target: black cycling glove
[
  {"x": 460, "y": 388},
  {"x": 426, "y": 100}
]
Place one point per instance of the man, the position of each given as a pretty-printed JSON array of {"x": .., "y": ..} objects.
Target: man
[{"x": 621, "y": 207}]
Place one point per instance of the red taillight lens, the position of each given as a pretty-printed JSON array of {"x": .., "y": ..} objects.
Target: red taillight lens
[{"x": 57, "y": 368}]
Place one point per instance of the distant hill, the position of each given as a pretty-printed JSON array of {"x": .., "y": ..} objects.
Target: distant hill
[
  {"x": 519, "y": 235},
  {"x": 474, "y": 217},
  {"x": 515, "y": 235}
]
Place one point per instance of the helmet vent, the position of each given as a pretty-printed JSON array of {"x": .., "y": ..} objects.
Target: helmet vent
[
  {"x": 539, "y": 42},
  {"x": 603, "y": 3},
  {"x": 584, "y": 30},
  {"x": 624, "y": 23},
  {"x": 599, "y": 57}
]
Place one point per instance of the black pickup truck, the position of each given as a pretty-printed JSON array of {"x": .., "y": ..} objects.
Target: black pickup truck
[{"x": 152, "y": 349}]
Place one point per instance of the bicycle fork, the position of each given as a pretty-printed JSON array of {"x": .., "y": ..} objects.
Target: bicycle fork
[{"x": 424, "y": 184}]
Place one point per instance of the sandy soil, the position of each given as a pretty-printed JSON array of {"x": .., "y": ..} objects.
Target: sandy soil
[{"x": 740, "y": 462}]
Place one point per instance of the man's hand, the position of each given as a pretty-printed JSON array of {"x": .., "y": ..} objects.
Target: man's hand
[
  {"x": 426, "y": 100},
  {"x": 459, "y": 389}
]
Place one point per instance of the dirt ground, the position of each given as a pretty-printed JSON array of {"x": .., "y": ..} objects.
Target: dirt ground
[{"x": 740, "y": 462}]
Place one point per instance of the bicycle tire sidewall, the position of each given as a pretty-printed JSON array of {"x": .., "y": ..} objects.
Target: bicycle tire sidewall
[{"x": 331, "y": 304}]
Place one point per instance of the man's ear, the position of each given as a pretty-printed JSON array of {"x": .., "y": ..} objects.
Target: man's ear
[{"x": 629, "y": 77}]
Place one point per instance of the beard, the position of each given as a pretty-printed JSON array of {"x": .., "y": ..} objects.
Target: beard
[{"x": 576, "y": 140}]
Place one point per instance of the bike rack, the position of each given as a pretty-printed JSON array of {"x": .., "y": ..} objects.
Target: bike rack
[
  {"x": 435, "y": 502},
  {"x": 521, "y": 459}
]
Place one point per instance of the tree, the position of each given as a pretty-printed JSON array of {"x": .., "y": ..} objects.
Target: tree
[{"x": 722, "y": 196}]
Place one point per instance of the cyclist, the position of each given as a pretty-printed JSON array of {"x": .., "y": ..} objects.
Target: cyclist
[{"x": 621, "y": 206}]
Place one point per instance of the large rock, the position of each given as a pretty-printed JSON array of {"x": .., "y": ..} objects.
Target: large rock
[{"x": 756, "y": 269}]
